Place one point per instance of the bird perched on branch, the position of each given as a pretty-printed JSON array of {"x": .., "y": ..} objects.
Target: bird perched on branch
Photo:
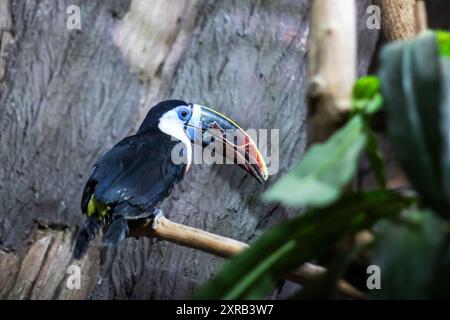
[{"x": 134, "y": 176}]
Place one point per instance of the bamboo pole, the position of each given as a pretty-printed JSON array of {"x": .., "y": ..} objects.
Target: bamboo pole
[
  {"x": 224, "y": 247},
  {"x": 332, "y": 58},
  {"x": 332, "y": 65}
]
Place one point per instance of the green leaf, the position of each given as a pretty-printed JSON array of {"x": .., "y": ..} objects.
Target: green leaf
[
  {"x": 367, "y": 100},
  {"x": 411, "y": 84},
  {"x": 324, "y": 171},
  {"x": 443, "y": 38},
  {"x": 406, "y": 254},
  {"x": 375, "y": 157},
  {"x": 253, "y": 273},
  {"x": 445, "y": 127},
  {"x": 367, "y": 96},
  {"x": 422, "y": 85},
  {"x": 441, "y": 277}
]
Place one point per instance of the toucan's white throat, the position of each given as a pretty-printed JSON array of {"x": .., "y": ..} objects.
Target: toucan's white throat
[{"x": 171, "y": 125}]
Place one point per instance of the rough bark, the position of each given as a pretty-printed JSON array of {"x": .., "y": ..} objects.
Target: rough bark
[
  {"x": 397, "y": 18},
  {"x": 60, "y": 108},
  {"x": 69, "y": 95}
]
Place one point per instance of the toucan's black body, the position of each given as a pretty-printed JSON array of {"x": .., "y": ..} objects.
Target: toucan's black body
[
  {"x": 131, "y": 179},
  {"x": 134, "y": 176}
]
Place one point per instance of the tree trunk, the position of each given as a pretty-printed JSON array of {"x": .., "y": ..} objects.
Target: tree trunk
[{"x": 68, "y": 95}]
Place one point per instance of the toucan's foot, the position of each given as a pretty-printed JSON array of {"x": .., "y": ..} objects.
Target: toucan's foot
[{"x": 156, "y": 215}]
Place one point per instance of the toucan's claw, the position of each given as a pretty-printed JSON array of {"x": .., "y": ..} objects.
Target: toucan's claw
[{"x": 156, "y": 215}]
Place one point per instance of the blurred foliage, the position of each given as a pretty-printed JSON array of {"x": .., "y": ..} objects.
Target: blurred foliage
[
  {"x": 412, "y": 243},
  {"x": 441, "y": 276},
  {"x": 253, "y": 273},
  {"x": 367, "y": 100},
  {"x": 444, "y": 43},
  {"x": 324, "y": 171},
  {"x": 367, "y": 96},
  {"x": 444, "y": 128},
  {"x": 324, "y": 286},
  {"x": 413, "y": 87},
  {"x": 327, "y": 168},
  {"x": 375, "y": 157},
  {"x": 406, "y": 252}
]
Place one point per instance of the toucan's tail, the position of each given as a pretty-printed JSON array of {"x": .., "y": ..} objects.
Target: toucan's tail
[
  {"x": 90, "y": 229},
  {"x": 116, "y": 232}
]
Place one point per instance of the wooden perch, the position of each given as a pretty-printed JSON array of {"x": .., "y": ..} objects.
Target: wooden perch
[
  {"x": 222, "y": 247},
  {"x": 332, "y": 65}
]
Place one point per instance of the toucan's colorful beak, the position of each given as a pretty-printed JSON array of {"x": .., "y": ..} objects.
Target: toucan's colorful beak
[{"x": 237, "y": 146}]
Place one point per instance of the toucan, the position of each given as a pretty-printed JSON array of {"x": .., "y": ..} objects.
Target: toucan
[{"x": 134, "y": 176}]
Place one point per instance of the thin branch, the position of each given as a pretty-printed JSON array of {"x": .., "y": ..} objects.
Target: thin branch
[{"x": 222, "y": 247}]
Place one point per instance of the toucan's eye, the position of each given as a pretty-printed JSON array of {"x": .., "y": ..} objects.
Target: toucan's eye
[{"x": 184, "y": 114}]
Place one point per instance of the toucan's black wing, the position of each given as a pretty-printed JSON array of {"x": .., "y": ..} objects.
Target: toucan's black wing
[{"x": 135, "y": 175}]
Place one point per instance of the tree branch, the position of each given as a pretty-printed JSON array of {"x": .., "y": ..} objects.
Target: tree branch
[{"x": 222, "y": 247}]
